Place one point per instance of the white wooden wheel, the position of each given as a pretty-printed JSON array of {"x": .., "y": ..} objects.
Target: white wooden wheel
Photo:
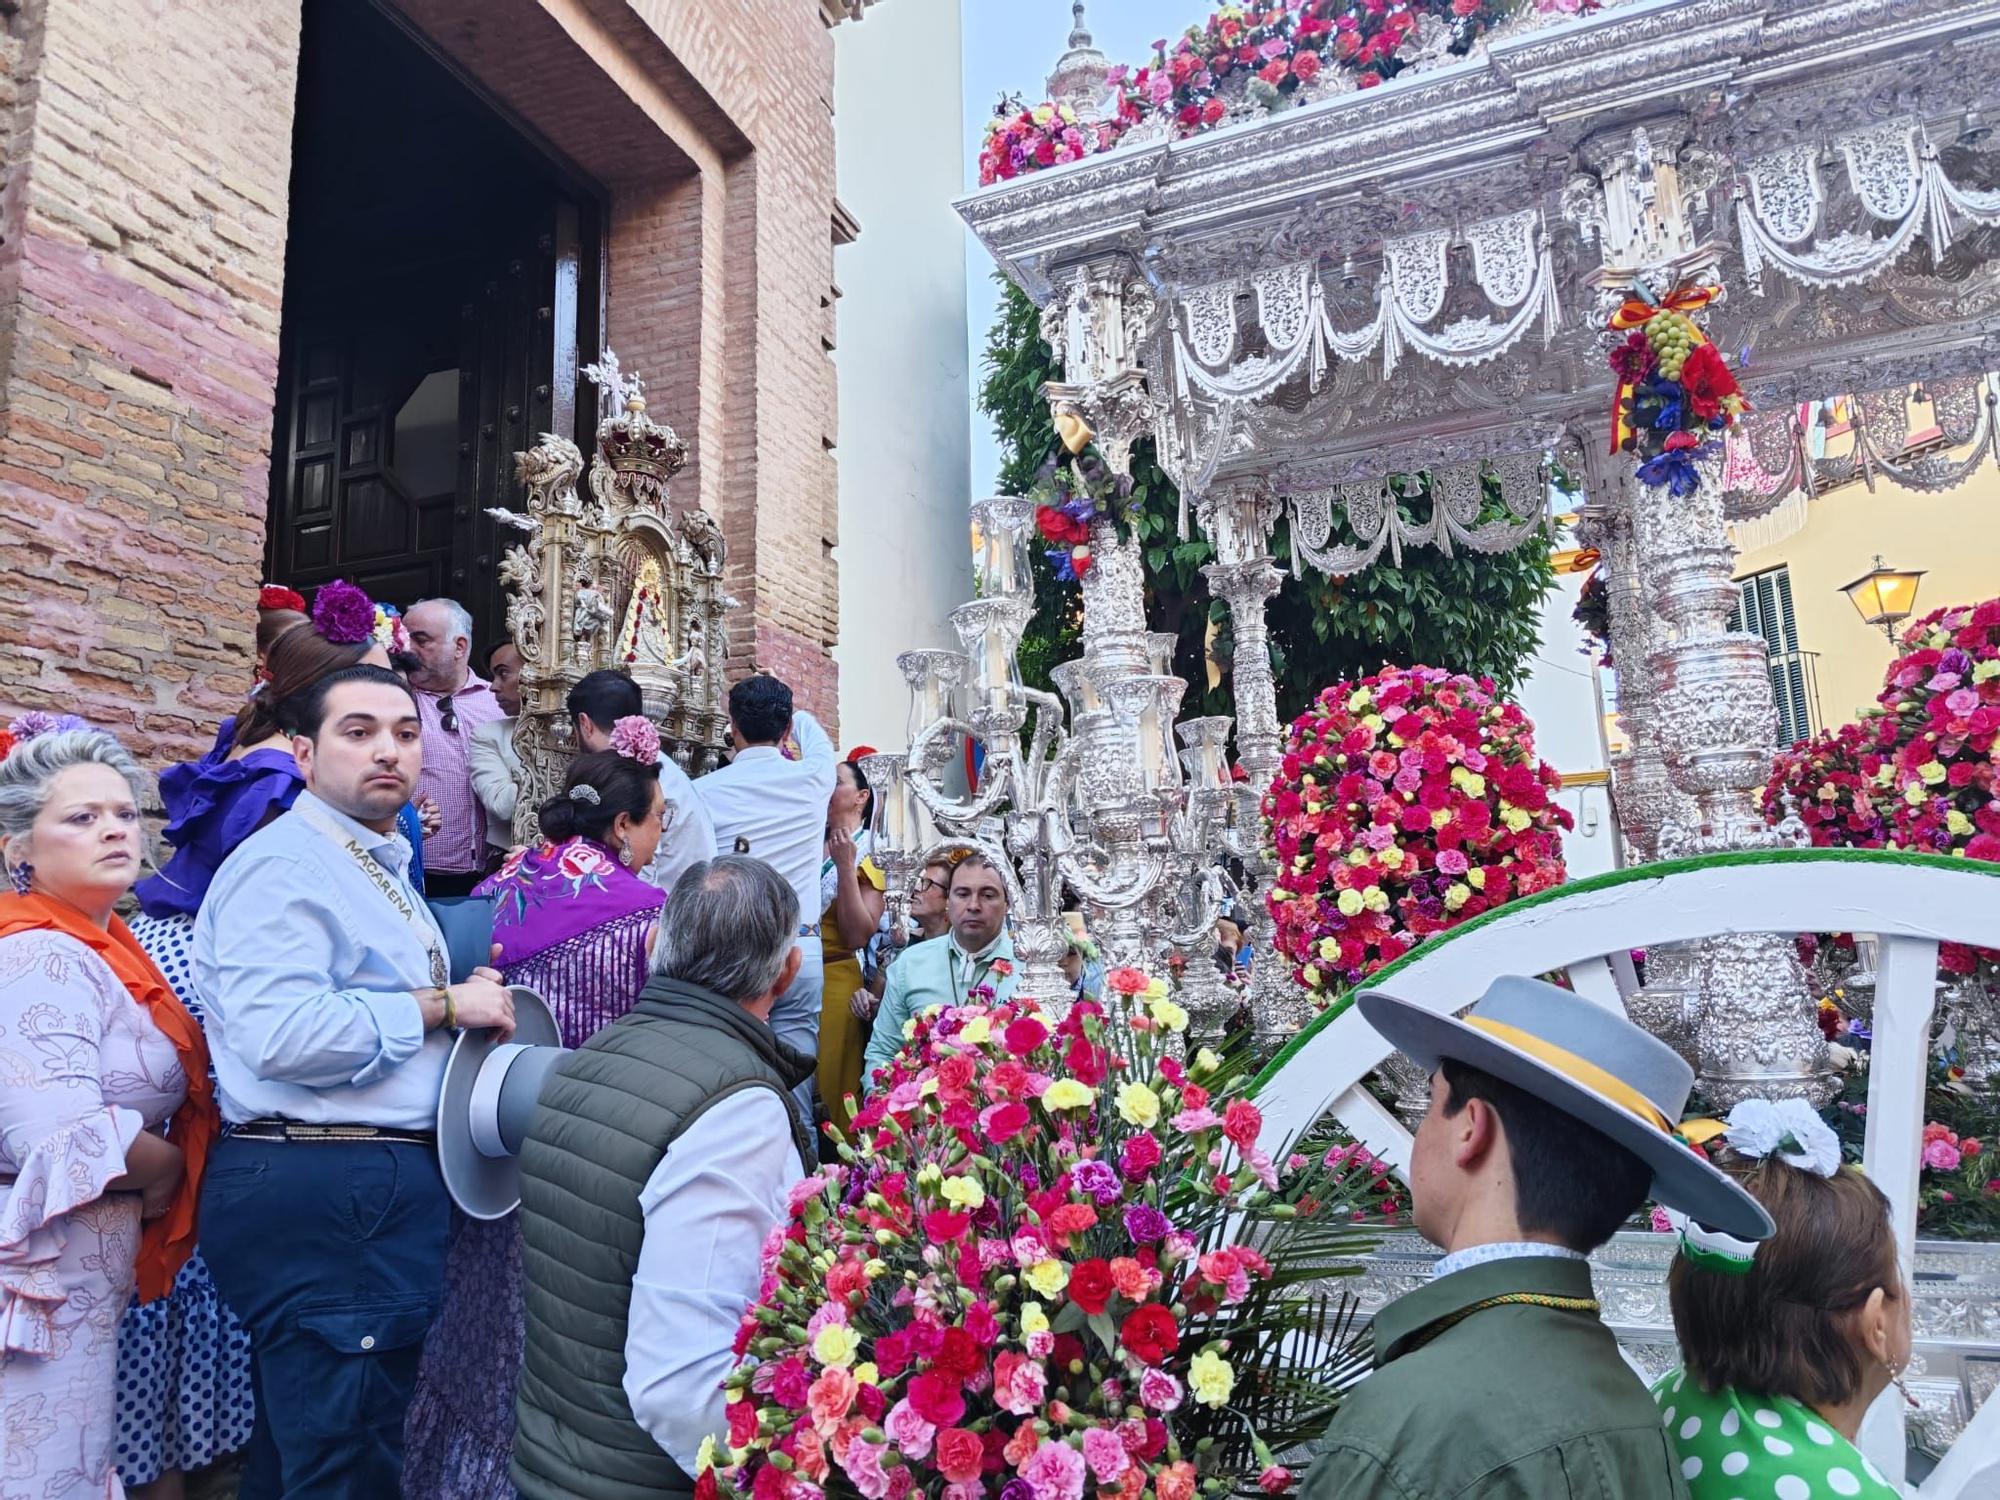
[{"x": 1588, "y": 930}]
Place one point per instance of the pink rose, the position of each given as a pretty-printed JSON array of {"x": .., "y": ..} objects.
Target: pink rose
[
  {"x": 909, "y": 1432},
  {"x": 1105, "y": 1454},
  {"x": 1055, "y": 1472},
  {"x": 1941, "y": 1155}
]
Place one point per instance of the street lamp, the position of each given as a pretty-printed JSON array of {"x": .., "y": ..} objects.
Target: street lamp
[{"x": 1885, "y": 596}]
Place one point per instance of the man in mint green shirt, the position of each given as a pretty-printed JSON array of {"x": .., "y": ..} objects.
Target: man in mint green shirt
[{"x": 947, "y": 970}]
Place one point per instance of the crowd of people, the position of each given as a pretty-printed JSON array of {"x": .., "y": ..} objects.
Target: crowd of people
[{"x": 223, "y": 1224}]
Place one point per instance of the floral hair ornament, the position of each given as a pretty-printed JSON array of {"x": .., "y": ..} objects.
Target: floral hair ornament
[
  {"x": 277, "y": 596},
  {"x": 635, "y": 738},
  {"x": 1788, "y": 1129},
  {"x": 389, "y": 631},
  {"x": 1711, "y": 1249},
  {"x": 36, "y": 723},
  {"x": 343, "y": 614}
]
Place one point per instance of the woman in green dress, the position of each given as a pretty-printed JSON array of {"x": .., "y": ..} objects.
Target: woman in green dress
[{"x": 1786, "y": 1343}]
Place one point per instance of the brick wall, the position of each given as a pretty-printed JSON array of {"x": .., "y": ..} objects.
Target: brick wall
[
  {"x": 144, "y": 167},
  {"x": 143, "y": 213}
]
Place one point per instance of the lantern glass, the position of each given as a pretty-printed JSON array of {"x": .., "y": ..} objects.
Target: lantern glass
[
  {"x": 1002, "y": 547},
  {"x": 1883, "y": 595},
  {"x": 1160, "y": 646},
  {"x": 1072, "y": 680}
]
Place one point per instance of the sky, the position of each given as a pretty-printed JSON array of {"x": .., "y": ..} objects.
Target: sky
[{"x": 1010, "y": 45}]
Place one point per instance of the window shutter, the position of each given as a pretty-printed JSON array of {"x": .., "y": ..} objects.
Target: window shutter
[{"x": 1764, "y": 608}]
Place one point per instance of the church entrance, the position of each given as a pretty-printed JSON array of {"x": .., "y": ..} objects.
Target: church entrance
[{"x": 442, "y": 271}]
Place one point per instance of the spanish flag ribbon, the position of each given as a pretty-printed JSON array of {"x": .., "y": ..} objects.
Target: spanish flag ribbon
[{"x": 1636, "y": 312}]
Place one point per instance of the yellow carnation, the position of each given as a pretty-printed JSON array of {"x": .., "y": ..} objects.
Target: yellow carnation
[
  {"x": 1156, "y": 989},
  {"x": 1957, "y": 823},
  {"x": 704, "y": 1456},
  {"x": 1206, "y": 1061},
  {"x": 836, "y": 1344},
  {"x": 1351, "y": 904},
  {"x": 1476, "y": 878},
  {"x": 1375, "y": 898},
  {"x": 1932, "y": 771},
  {"x": 1138, "y": 1105},
  {"x": 1392, "y": 857},
  {"x": 1515, "y": 819},
  {"x": 964, "y": 1193},
  {"x": 1048, "y": 1277},
  {"x": 1456, "y": 895},
  {"x": 975, "y": 1033},
  {"x": 866, "y": 1373},
  {"x": 1166, "y": 1013},
  {"x": 1440, "y": 819},
  {"x": 1358, "y": 700},
  {"x": 1033, "y": 1319},
  {"x": 1044, "y": 113},
  {"x": 1985, "y": 671},
  {"x": 1309, "y": 975},
  {"x": 1211, "y": 1379},
  {"x": 1067, "y": 1093}
]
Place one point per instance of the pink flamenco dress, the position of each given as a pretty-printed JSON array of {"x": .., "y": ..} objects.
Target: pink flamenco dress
[{"x": 83, "y": 1070}]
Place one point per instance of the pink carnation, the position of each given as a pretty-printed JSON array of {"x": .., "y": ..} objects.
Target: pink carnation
[
  {"x": 1159, "y": 1390},
  {"x": 1055, "y": 1472},
  {"x": 1941, "y": 1155},
  {"x": 909, "y": 1432},
  {"x": 864, "y": 1466},
  {"x": 635, "y": 738},
  {"x": 1105, "y": 1454}
]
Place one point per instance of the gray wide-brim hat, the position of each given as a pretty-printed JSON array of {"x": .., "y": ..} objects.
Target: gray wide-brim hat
[
  {"x": 490, "y": 1090},
  {"x": 1590, "y": 1063}
]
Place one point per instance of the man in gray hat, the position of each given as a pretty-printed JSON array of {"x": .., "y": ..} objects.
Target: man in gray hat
[
  {"x": 1551, "y": 1120},
  {"x": 656, "y": 1162}
]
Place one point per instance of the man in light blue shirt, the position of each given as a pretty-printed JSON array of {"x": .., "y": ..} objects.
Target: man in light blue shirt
[
  {"x": 329, "y": 1016},
  {"x": 976, "y": 952}
]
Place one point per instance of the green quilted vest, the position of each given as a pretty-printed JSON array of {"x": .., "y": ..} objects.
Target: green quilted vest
[{"x": 605, "y": 1121}]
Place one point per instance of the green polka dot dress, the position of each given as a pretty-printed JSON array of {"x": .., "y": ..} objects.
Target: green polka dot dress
[{"x": 1733, "y": 1446}]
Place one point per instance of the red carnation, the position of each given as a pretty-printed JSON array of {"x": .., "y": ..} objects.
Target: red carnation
[
  {"x": 1212, "y": 111},
  {"x": 1025, "y": 1035},
  {"x": 960, "y": 1454},
  {"x": 277, "y": 596},
  {"x": 1306, "y": 66},
  {"x": 1241, "y": 1122},
  {"x": 958, "y": 1355},
  {"x": 936, "y": 1399},
  {"x": 1706, "y": 379},
  {"x": 1150, "y": 1333},
  {"x": 1090, "y": 1286}
]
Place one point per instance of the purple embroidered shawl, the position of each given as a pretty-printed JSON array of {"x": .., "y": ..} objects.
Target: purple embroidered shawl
[{"x": 544, "y": 897}]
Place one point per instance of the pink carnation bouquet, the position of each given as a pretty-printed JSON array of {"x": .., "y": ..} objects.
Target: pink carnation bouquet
[
  {"x": 635, "y": 738},
  {"x": 1044, "y": 1266},
  {"x": 1406, "y": 803}
]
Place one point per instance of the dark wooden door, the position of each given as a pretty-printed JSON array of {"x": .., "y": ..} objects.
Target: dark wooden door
[{"x": 400, "y": 406}]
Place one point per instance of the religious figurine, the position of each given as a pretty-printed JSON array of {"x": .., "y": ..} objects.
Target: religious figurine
[{"x": 591, "y": 614}]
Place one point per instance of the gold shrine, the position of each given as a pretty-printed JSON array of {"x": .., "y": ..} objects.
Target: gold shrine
[{"x": 618, "y": 581}]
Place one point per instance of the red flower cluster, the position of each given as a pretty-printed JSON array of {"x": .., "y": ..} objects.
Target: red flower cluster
[
  {"x": 1020, "y": 140},
  {"x": 1831, "y": 780},
  {"x": 1406, "y": 803}
]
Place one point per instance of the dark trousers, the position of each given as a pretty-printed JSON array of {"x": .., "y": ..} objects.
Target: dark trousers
[
  {"x": 451, "y": 882},
  {"x": 333, "y": 1257}
]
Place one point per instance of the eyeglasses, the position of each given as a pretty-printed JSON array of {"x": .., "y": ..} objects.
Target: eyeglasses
[
  {"x": 447, "y": 715},
  {"x": 934, "y": 885}
]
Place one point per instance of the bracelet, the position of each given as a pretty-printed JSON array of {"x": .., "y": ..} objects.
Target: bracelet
[{"x": 450, "y": 1012}]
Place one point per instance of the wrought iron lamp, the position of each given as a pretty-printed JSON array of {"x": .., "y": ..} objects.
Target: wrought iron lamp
[{"x": 1885, "y": 596}]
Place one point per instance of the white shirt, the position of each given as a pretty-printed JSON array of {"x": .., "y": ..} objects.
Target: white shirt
[
  {"x": 1479, "y": 1255},
  {"x": 496, "y": 778},
  {"x": 708, "y": 1206},
  {"x": 686, "y": 834},
  {"x": 776, "y": 808},
  {"x": 307, "y": 972}
]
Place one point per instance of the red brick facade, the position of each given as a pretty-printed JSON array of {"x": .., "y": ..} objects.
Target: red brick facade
[{"x": 144, "y": 169}]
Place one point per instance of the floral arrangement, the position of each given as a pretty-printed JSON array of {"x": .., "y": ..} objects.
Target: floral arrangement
[
  {"x": 635, "y": 738},
  {"x": 1044, "y": 1265},
  {"x": 1019, "y": 139},
  {"x": 277, "y": 596},
  {"x": 1830, "y": 779},
  {"x": 343, "y": 614},
  {"x": 1593, "y": 613},
  {"x": 1958, "y": 1184},
  {"x": 1070, "y": 492},
  {"x": 1676, "y": 394},
  {"x": 389, "y": 632},
  {"x": 1406, "y": 803},
  {"x": 1267, "y": 55}
]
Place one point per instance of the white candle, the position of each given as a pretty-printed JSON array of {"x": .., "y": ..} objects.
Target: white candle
[
  {"x": 1151, "y": 746},
  {"x": 996, "y": 669}
]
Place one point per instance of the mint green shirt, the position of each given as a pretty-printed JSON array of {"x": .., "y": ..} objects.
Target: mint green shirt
[{"x": 934, "y": 972}]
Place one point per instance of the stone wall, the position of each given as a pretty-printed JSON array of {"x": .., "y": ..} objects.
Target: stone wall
[
  {"x": 142, "y": 238},
  {"x": 146, "y": 150}
]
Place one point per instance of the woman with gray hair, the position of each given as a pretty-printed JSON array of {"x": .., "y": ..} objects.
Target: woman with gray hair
[{"x": 107, "y": 1114}]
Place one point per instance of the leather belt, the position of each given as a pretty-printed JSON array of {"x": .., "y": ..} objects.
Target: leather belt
[{"x": 296, "y": 1132}]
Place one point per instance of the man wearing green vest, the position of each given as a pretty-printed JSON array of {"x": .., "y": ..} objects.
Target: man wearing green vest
[
  {"x": 655, "y": 1164},
  {"x": 1551, "y": 1120},
  {"x": 973, "y": 955}
]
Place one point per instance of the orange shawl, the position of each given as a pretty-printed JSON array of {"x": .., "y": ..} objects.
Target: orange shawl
[{"x": 166, "y": 1242}]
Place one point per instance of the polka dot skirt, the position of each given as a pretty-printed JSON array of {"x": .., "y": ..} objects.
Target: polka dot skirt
[
  {"x": 1733, "y": 1446},
  {"x": 184, "y": 1396}
]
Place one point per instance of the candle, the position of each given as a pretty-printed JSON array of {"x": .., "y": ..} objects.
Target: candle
[
  {"x": 1152, "y": 752},
  {"x": 996, "y": 666}
]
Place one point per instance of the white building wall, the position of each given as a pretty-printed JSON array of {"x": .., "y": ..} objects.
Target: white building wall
[
  {"x": 905, "y": 392},
  {"x": 1561, "y": 696}
]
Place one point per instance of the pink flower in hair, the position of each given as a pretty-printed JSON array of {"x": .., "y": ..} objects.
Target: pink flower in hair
[
  {"x": 343, "y": 614},
  {"x": 636, "y": 739}
]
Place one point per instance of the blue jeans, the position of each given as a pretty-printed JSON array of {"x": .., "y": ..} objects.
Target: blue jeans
[
  {"x": 795, "y": 1017},
  {"x": 332, "y": 1255}
]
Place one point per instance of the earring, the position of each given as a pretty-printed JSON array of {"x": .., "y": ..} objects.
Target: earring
[
  {"x": 624, "y": 851},
  {"x": 1896, "y": 1379},
  {"x": 23, "y": 876}
]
